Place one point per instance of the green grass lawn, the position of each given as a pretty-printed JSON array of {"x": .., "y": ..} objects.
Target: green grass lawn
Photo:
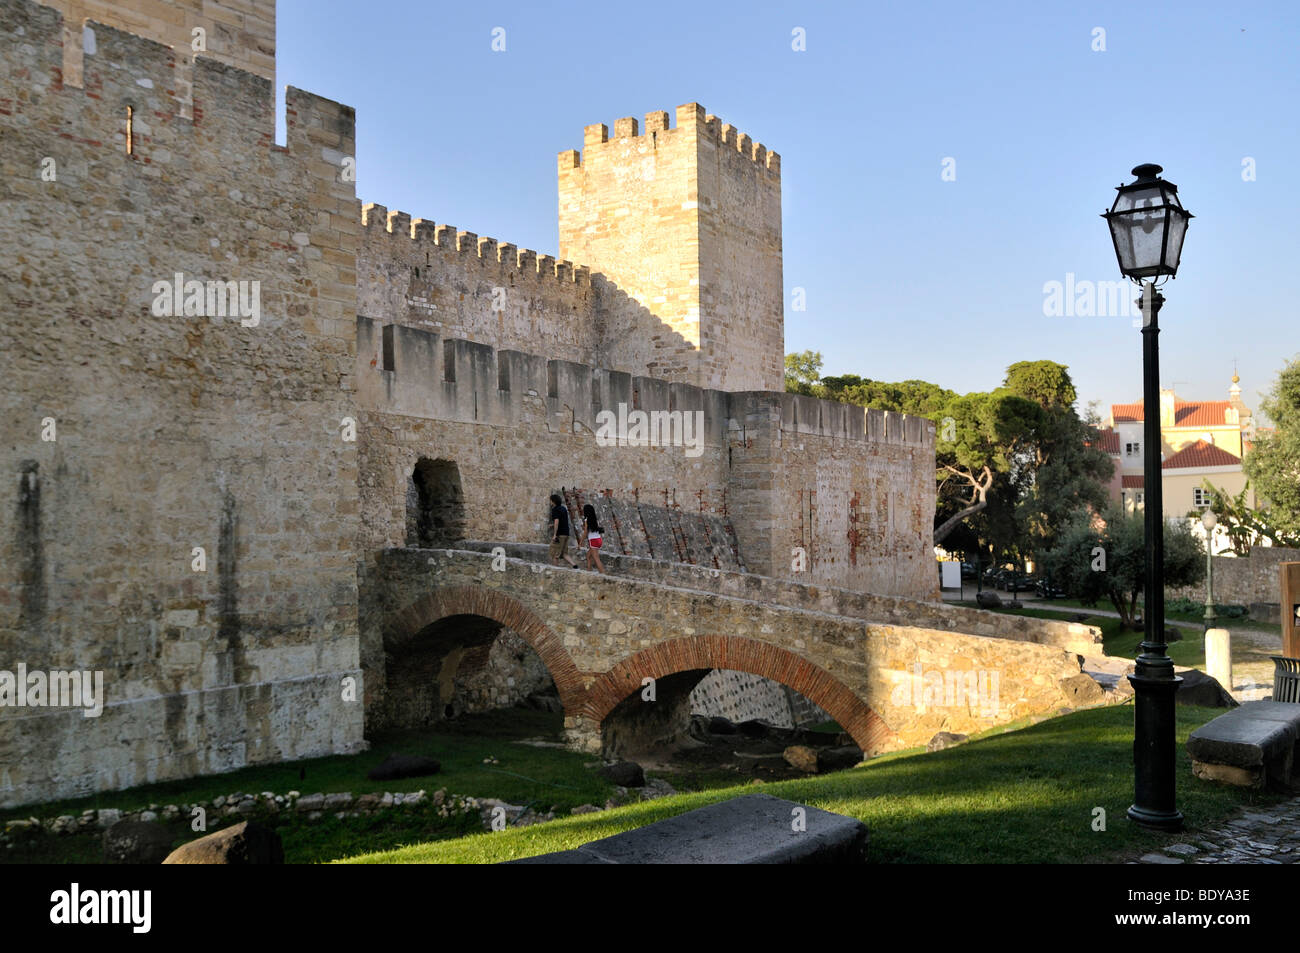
[
  {"x": 524, "y": 775},
  {"x": 540, "y": 777},
  {"x": 1015, "y": 797}
]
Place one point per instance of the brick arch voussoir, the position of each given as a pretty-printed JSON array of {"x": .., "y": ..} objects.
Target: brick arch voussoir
[
  {"x": 738, "y": 653},
  {"x": 492, "y": 604}
]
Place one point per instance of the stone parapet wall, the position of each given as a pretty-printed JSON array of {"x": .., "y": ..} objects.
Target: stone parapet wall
[
  {"x": 1071, "y": 636},
  {"x": 1243, "y": 580}
]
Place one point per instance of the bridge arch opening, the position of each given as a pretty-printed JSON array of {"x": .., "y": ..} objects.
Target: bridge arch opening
[
  {"x": 464, "y": 664},
  {"x": 435, "y": 504},
  {"x": 644, "y": 702},
  {"x": 464, "y": 650}
]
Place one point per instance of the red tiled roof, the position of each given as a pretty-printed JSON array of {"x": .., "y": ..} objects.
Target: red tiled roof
[
  {"x": 1201, "y": 454},
  {"x": 1205, "y": 413},
  {"x": 1127, "y": 413},
  {"x": 1187, "y": 413},
  {"x": 1109, "y": 441},
  {"x": 1131, "y": 482}
]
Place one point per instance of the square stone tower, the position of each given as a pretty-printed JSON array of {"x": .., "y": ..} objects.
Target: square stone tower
[{"x": 685, "y": 222}]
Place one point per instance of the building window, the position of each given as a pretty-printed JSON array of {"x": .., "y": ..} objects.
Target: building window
[
  {"x": 1132, "y": 449},
  {"x": 1200, "y": 497}
]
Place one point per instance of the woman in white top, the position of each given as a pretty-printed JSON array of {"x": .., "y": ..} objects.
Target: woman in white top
[{"x": 595, "y": 537}]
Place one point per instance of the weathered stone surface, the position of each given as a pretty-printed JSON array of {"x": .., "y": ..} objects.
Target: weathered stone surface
[
  {"x": 626, "y": 774},
  {"x": 944, "y": 739},
  {"x": 1256, "y": 741},
  {"x": 1197, "y": 688},
  {"x": 245, "y": 843},
  {"x": 137, "y": 842},
  {"x": 238, "y": 661},
  {"x": 404, "y": 766},
  {"x": 801, "y": 758},
  {"x": 753, "y": 829},
  {"x": 988, "y": 599},
  {"x": 892, "y": 686},
  {"x": 1082, "y": 690},
  {"x": 838, "y": 757}
]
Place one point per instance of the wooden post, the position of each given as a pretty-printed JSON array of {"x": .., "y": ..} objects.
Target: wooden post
[{"x": 1290, "y": 573}]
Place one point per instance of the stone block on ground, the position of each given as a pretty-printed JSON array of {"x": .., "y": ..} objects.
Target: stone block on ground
[
  {"x": 397, "y": 766},
  {"x": 944, "y": 739},
  {"x": 244, "y": 843},
  {"x": 751, "y": 829},
  {"x": 626, "y": 774},
  {"x": 801, "y": 758},
  {"x": 838, "y": 757},
  {"x": 1082, "y": 690},
  {"x": 137, "y": 842},
  {"x": 1197, "y": 688}
]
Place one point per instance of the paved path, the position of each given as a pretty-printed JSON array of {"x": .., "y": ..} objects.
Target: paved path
[{"x": 1254, "y": 836}]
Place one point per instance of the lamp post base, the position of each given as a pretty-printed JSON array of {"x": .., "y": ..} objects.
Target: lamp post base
[{"x": 1156, "y": 820}]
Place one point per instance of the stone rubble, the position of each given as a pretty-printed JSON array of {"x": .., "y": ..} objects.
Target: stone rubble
[{"x": 313, "y": 807}]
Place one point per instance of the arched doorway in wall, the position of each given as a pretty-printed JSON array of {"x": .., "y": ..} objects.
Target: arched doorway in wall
[{"x": 435, "y": 504}]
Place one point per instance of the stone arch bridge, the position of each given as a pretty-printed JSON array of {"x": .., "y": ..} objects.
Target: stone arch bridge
[{"x": 888, "y": 684}]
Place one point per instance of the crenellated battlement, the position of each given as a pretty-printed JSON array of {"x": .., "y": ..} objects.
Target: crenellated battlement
[
  {"x": 449, "y": 241},
  {"x": 444, "y": 378},
  {"x": 691, "y": 121},
  {"x": 176, "y": 107}
]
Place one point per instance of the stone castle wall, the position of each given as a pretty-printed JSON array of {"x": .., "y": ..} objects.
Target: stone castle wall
[
  {"x": 196, "y": 500},
  {"x": 519, "y": 427},
  {"x": 128, "y": 439}
]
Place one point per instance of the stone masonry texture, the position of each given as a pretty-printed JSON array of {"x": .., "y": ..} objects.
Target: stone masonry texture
[{"x": 204, "y": 503}]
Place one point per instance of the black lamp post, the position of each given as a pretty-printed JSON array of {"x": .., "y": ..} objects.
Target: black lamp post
[{"x": 1148, "y": 224}]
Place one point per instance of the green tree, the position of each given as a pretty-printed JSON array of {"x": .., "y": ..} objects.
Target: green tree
[
  {"x": 1244, "y": 524},
  {"x": 1067, "y": 474},
  {"x": 979, "y": 440},
  {"x": 1108, "y": 561},
  {"x": 802, "y": 371},
  {"x": 1273, "y": 462}
]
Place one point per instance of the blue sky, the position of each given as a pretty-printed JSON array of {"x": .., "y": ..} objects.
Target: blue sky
[{"x": 905, "y": 275}]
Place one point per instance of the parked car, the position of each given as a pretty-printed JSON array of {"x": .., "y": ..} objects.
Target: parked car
[
  {"x": 1017, "y": 581},
  {"x": 968, "y": 570},
  {"x": 1046, "y": 589}
]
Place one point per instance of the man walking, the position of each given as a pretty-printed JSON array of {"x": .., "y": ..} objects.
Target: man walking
[{"x": 560, "y": 532}]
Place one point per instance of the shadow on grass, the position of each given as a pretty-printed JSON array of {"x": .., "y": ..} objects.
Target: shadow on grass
[{"x": 1024, "y": 797}]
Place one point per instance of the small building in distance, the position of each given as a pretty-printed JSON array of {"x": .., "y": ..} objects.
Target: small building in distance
[{"x": 1199, "y": 441}]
